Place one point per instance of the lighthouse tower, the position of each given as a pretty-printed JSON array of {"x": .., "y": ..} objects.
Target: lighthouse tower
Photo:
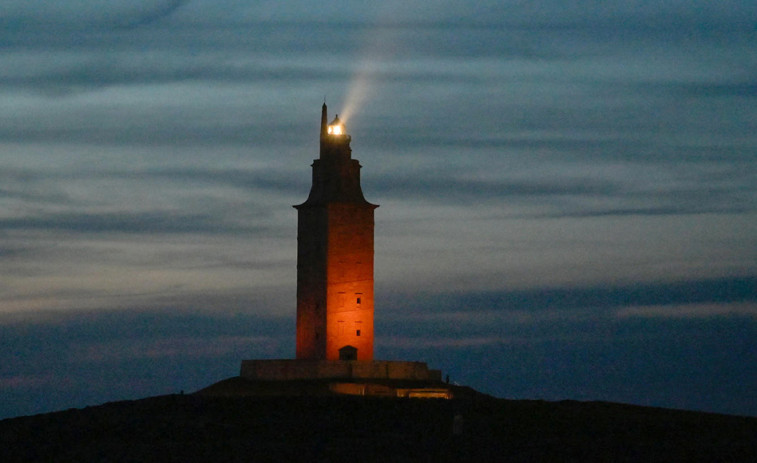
[
  {"x": 335, "y": 290},
  {"x": 335, "y": 256}
]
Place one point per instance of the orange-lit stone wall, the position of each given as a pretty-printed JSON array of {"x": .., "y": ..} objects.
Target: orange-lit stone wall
[
  {"x": 335, "y": 281},
  {"x": 349, "y": 289}
]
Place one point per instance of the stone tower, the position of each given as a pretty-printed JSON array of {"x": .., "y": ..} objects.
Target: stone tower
[{"x": 335, "y": 256}]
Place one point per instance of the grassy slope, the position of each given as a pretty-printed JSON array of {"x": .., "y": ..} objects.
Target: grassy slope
[{"x": 199, "y": 428}]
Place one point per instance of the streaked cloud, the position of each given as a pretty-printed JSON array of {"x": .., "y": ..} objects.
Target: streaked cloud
[
  {"x": 31, "y": 381},
  {"x": 691, "y": 310},
  {"x": 438, "y": 342},
  {"x": 112, "y": 13},
  {"x": 723, "y": 290},
  {"x": 154, "y": 222},
  {"x": 121, "y": 350}
]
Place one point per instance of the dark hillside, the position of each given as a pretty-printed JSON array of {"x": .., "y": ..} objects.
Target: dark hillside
[{"x": 201, "y": 428}]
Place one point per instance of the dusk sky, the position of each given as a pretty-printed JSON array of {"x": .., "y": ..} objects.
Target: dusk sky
[{"x": 568, "y": 192}]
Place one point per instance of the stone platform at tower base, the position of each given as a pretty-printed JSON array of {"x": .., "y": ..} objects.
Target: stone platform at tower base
[
  {"x": 383, "y": 378},
  {"x": 290, "y": 369}
]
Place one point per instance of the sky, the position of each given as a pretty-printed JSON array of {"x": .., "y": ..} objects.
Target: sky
[{"x": 568, "y": 192}]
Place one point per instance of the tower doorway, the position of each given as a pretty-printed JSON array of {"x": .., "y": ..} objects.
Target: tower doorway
[{"x": 348, "y": 353}]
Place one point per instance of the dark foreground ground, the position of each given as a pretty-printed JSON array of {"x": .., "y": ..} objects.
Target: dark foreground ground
[{"x": 223, "y": 427}]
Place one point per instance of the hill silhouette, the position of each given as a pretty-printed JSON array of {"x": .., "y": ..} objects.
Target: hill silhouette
[{"x": 235, "y": 420}]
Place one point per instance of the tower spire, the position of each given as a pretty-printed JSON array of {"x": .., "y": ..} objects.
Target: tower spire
[{"x": 324, "y": 121}]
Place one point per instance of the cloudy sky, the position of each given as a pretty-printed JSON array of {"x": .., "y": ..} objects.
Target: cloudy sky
[{"x": 568, "y": 192}]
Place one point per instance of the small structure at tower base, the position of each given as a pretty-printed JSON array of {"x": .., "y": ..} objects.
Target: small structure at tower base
[
  {"x": 291, "y": 369},
  {"x": 353, "y": 377}
]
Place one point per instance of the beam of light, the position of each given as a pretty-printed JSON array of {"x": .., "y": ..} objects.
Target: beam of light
[
  {"x": 378, "y": 46},
  {"x": 360, "y": 88}
]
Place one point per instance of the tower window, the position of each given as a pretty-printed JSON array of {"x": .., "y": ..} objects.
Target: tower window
[
  {"x": 357, "y": 333},
  {"x": 358, "y": 301}
]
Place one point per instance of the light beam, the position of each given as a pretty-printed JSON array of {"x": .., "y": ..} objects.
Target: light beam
[{"x": 378, "y": 47}]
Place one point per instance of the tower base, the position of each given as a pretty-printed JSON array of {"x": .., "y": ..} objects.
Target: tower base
[{"x": 288, "y": 370}]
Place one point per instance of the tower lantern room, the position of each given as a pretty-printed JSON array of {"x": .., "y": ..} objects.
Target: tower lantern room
[{"x": 336, "y": 128}]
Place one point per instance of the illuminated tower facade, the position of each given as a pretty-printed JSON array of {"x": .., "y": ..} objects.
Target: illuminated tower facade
[{"x": 335, "y": 256}]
